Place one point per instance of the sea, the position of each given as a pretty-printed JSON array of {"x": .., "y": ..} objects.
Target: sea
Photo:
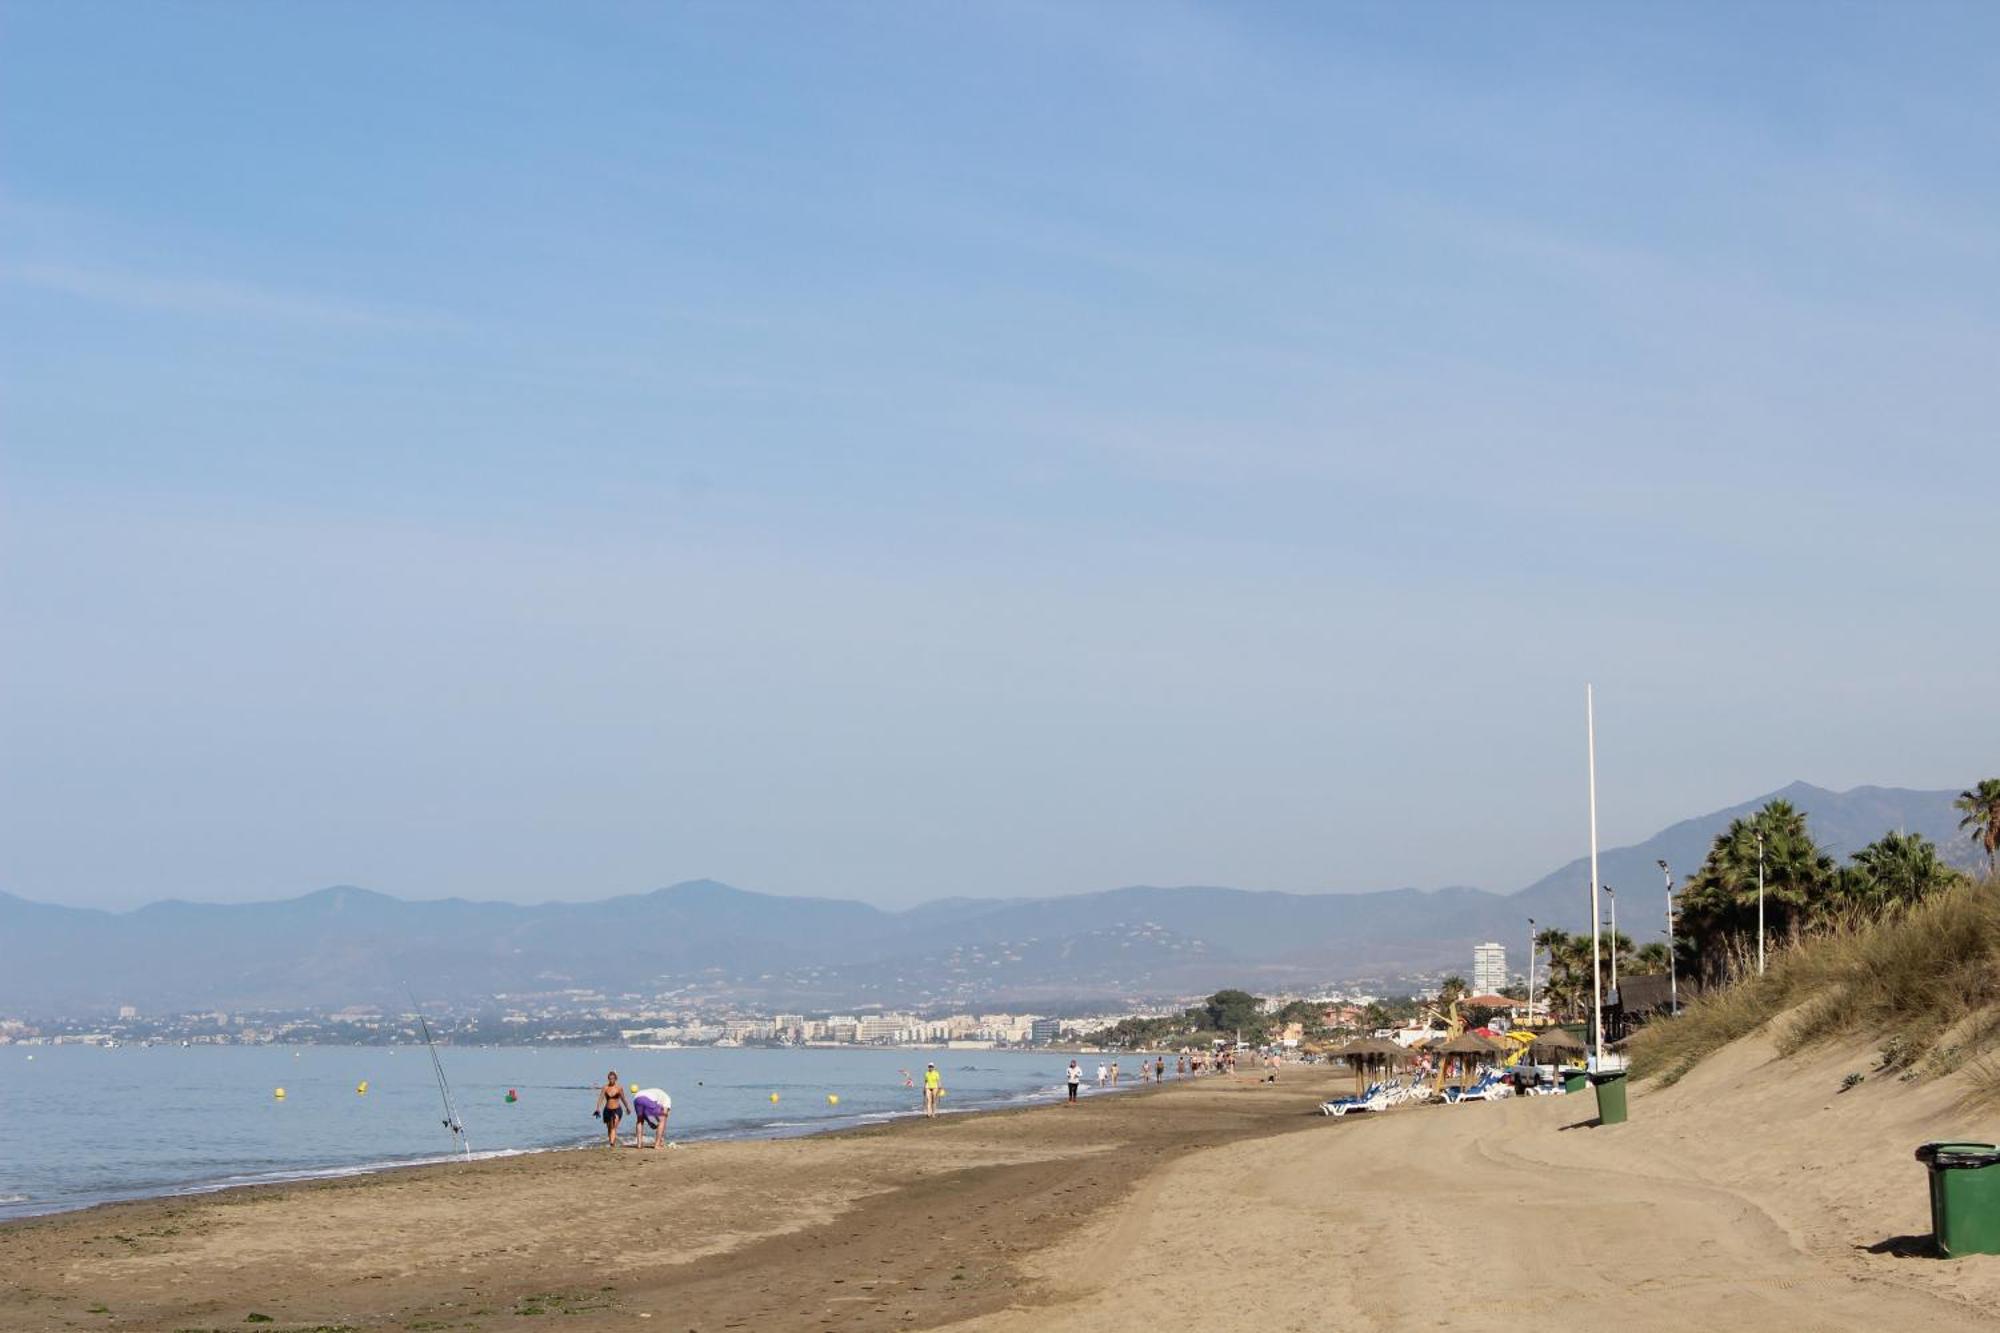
[{"x": 82, "y": 1125}]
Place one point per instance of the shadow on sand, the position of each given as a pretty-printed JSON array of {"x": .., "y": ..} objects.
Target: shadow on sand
[{"x": 1905, "y": 1247}]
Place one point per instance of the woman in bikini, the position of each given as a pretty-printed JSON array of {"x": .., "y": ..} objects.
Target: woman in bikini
[{"x": 611, "y": 1107}]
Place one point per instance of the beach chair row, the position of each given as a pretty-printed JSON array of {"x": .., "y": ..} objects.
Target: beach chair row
[{"x": 1490, "y": 1086}]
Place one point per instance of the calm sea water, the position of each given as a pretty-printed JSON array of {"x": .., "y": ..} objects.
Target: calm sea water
[{"x": 81, "y": 1125}]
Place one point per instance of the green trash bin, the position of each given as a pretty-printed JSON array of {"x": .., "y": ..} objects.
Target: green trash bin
[
  {"x": 1965, "y": 1196},
  {"x": 1610, "y": 1085},
  {"x": 1574, "y": 1079}
]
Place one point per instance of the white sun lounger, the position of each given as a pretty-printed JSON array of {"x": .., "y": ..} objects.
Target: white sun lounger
[{"x": 1375, "y": 1099}]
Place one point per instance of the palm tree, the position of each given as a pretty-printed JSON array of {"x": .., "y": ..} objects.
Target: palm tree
[
  {"x": 1982, "y": 819},
  {"x": 1718, "y": 905},
  {"x": 1569, "y": 969},
  {"x": 1895, "y": 870},
  {"x": 1650, "y": 960}
]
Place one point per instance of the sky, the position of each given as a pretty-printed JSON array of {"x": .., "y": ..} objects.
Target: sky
[{"x": 898, "y": 451}]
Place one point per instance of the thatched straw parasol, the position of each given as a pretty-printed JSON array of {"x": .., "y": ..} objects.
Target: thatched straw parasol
[
  {"x": 1367, "y": 1052},
  {"x": 1469, "y": 1044},
  {"x": 1556, "y": 1043}
]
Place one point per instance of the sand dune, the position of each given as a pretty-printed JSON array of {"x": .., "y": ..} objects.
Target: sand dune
[{"x": 1752, "y": 1193}]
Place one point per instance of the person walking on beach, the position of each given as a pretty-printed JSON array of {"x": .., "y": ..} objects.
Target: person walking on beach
[
  {"x": 1102, "y": 1073},
  {"x": 650, "y": 1110},
  {"x": 1075, "y": 1078},
  {"x": 933, "y": 1085},
  {"x": 610, "y": 1107},
  {"x": 1114, "y": 1073},
  {"x": 1180, "y": 1065},
  {"x": 1160, "y": 1069}
]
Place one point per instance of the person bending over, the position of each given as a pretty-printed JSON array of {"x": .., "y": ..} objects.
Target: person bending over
[{"x": 651, "y": 1109}]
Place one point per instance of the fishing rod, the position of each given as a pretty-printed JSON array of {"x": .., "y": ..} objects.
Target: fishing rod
[{"x": 451, "y": 1120}]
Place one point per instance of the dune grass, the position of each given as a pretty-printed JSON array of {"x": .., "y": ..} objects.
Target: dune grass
[{"x": 1923, "y": 982}]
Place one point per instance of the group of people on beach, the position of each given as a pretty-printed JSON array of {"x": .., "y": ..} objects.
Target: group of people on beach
[
  {"x": 650, "y": 1108},
  {"x": 1186, "y": 1064}
]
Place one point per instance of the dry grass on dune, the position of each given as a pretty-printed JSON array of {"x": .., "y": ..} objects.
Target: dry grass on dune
[{"x": 1925, "y": 983}]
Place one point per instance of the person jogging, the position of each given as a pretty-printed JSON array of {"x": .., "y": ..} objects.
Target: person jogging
[
  {"x": 1075, "y": 1078},
  {"x": 933, "y": 1085}
]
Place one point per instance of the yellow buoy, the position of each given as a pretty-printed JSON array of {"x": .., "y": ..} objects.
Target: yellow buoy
[
  {"x": 774, "y": 1098},
  {"x": 361, "y": 1087},
  {"x": 278, "y": 1093},
  {"x": 833, "y": 1099}
]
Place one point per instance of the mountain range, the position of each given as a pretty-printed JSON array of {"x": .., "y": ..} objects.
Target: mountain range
[{"x": 349, "y": 945}]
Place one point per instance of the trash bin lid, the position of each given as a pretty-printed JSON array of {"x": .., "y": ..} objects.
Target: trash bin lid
[{"x": 1948, "y": 1155}]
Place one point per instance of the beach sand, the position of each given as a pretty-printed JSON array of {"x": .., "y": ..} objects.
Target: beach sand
[{"x": 1751, "y": 1192}]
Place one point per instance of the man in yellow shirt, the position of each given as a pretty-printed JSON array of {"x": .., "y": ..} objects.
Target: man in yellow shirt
[{"x": 933, "y": 1085}]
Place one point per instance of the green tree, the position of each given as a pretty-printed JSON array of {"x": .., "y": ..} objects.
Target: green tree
[
  {"x": 1651, "y": 960},
  {"x": 1896, "y": 870},
  {"x": 1718, "y": 905},
  {"x": 1566, "y": 983},
  {"x": 1453, "y": 988},
  {"x": 1306, "y": 1014},
  {"x": 1981, "y": 807},
  {"x": 1231, "y": 1011},
  {"x": 1388, "y": 1013},
  {"x": 1565, "y": 986}
]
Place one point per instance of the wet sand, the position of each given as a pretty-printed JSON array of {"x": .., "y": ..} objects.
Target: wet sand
[
  {"x": 913, "y": 1224},
  {"x": 1752, "y": 1194}
]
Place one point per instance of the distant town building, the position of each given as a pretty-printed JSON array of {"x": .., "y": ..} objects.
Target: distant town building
[
  {"x": 1489, "y": 968},
  {"x": 127, "y": 1011},
  {"x": 1044, "y": 1030}
]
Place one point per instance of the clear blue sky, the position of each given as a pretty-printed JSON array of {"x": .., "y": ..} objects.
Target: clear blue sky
[{"x": 545, "y": 451}]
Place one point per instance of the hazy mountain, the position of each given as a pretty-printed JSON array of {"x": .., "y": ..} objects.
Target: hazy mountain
[{"x": 348, "y": 945}]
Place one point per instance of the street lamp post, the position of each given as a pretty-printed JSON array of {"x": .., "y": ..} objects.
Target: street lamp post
[
  {"x": 1673, "y": 970},
  {"x": 1760, "y": 902},
  {"x": 1531, "y": 969},
  {"x": 1612, "y": 894}
]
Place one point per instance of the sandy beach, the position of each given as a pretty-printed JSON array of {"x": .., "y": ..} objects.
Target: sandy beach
[{"x": 1222, "y": 1203}]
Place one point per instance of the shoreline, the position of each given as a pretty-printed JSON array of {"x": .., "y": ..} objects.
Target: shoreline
[
  {"x": 944, "y": 1211},
  {"x": 329, "y": 1174}
]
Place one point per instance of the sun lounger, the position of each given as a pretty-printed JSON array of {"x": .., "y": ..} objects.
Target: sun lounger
[
  {"x": 1375, "y": 1099},
  {"x": 1477, "y": 1092}
]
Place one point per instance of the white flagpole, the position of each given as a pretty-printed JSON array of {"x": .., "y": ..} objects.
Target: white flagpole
[{"x": 1596, "y": 950}]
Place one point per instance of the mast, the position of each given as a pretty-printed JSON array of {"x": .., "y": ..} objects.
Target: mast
[
  {"x": 1596, "y": 949},
  {"x": 451, "y": 1120}
]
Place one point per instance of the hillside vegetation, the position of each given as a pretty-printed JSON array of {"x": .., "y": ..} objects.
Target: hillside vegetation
[{"x": 1923, "y": 981}]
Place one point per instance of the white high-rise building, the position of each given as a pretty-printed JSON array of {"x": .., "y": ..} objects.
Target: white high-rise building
[{"x": 1489, "y": 968}]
